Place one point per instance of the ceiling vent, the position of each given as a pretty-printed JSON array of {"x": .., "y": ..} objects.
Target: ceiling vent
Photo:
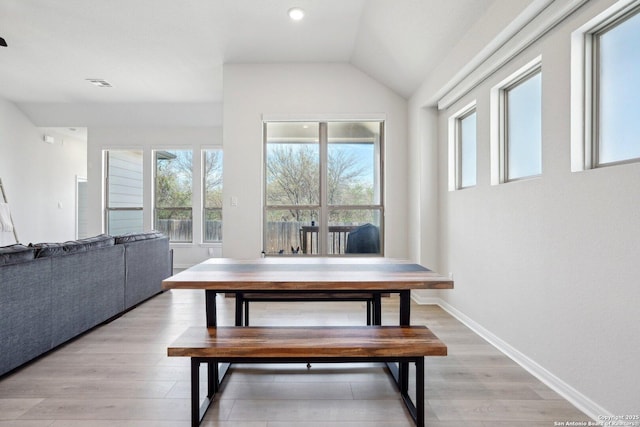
[{"x": 99, "y": 82}]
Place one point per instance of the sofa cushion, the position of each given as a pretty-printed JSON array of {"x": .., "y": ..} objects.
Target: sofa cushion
[
  {"x": 47, "y": 249},
  {"x": 82, "y": 245},
  {"x": 14, "y": 254},
  {"x": 73, "y": 246},
  {"x": 135, "y": 237}
]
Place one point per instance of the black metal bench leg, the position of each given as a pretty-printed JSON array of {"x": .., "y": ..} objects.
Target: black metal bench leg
[
  {"x": 405, "y": 320},
  {"x": 416, "y": 408},
  {"x": 199, "y": 410},
  {"x": 195, "y": 392},
  {"x": 420, "y": 392}
]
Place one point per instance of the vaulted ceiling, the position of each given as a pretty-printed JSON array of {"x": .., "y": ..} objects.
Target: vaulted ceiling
[{"x": 161, "y": 51}]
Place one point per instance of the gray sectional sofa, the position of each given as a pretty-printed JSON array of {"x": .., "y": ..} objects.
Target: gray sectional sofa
[{"x": 52, "y": 292}]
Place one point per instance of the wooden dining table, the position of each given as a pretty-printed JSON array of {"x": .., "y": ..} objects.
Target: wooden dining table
[
  {"x": 309, "y": 275},
  {"x": 299, "y": 274}
]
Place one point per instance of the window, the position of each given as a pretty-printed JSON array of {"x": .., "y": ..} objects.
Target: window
[
  {"x": 462, "y": 148},
  {"x": 467, "y": 150},
  {"x": 212, "y": 195},
  {"x": 124, "y": 191},
  {"x": 173, "y": 190},
  {"x": 616, "y": 74},
  {"x": 605, "y": 85},
  {"x": 322, "y": 181},
  {"x": 520, "y": 125},
  {"x": 82, "y": 208}
]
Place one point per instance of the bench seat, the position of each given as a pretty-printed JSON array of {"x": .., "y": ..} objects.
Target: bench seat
[{"x": 404, "y": 344}]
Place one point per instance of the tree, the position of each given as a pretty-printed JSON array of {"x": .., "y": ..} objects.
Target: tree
[
  {"x": 213, "y": 179},
  {"x": 343, "y": 172},
  {"x": 174, "y": 184},
  {"x": 293, "y": 178},
  {"x": 212, "y": 195},
  {"x": 293, "y": 174}
]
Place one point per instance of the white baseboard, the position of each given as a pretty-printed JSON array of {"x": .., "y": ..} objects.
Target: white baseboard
[
  {"x": 579, "y": 400},
  {"x": 422, "y": 300}
]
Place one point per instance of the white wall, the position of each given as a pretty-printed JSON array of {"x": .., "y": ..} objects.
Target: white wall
[
  {"x": 311, "y": 91},
  {"x": 39, "y": 178},
  {"x": 547, "y": 268},
  {"x": 149, "y": 139}
]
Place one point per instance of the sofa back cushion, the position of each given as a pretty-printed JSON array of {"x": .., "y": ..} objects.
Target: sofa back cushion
[
  {"x": 47, "y": 249},
  {"x": 14, "y": 254},
  {"x": 82, "y": 245},
  {"x": 136, "y": 237},
  {"x": 73, "y": 246}
]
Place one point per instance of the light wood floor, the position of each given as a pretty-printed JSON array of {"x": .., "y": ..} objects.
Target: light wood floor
[{"x": 118, "y": 375}]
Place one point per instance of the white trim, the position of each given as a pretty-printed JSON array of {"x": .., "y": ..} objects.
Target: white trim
[
  {"x": 182, "y": 267},
  {"x": 425, "y": 300},
  {"x": 510, "y": 40},
  {"x": 579, "y": 102},
  {"x": 324, "y": 117},
  {"x": 573, "y": 396}
]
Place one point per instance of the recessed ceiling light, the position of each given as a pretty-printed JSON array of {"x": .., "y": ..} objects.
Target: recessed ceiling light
[
  {"x": 99, "y": 82},
  {"x": 296, "y": 13}
]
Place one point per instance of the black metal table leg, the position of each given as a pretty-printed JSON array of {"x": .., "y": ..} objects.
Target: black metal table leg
[
  {"x": 210, "y": 301},
  {"x": 239, "y": 307},
  {"x": 405, "y": 308},
  {"x": 377, "y": 309}
]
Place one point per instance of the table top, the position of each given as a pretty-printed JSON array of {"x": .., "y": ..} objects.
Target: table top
[{"x": 308, "y": 274}]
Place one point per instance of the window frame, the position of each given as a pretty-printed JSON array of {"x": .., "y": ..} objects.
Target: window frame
[
  {"x": 107, "y": 176},
  {"x": 203, "y": 156},
  {"x": 154, "y": 207},
  {"x": 459, "y": 118},
  {"x": 584, "y": 86},
  {"x": 594, "y": 104},
  {"x": 323, "y": 208},
  {"x": 500, "y": 122},
  {"x": 455, "y": 146}
]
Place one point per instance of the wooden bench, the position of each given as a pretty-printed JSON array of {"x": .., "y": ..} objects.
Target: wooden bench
[
  {"x": 403, "y": 344},
  {"x": 372, "y": 301}
]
